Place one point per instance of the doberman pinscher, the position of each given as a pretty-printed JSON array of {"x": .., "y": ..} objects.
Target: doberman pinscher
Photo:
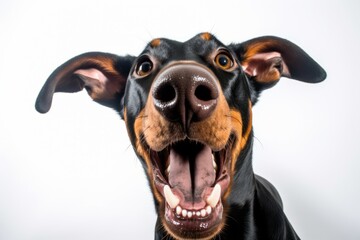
[{"x": 187, "y": 107}]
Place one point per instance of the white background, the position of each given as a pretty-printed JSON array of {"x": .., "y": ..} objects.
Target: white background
[{"x": 71, "y": 174}]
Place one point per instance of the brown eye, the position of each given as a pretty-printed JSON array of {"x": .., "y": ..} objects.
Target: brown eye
[
  {"x": 144, "y": 67},
  {"x": 224, "y": 61}
]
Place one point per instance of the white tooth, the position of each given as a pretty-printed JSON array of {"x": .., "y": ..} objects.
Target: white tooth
[
  {"x": 208, "y": 210},
  {"x": 213, "y": 162},
  {"x": 214, "y": 197},
  {"x": 184, "y": 213},
  {"x": 203, "y": 212},
  {"x": 189, "y": 214},
  {"x": 198, "y": 213},
  {"x": 170, "y": 198},
  {"x": 178, "y": 210}
]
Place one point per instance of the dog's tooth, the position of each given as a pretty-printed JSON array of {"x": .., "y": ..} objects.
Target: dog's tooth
[
  {"x": 213, "y": 162},
  {"x": 193, "y": 214},
  {"x": 167, "y": 171},
  {"x": 170, "y": 198},
  {"x": 214, "y": 197},
  {"x": 184, "y": 213},
  {"x": 208, "y": 210},
  {"x": 178, "y": 210}
]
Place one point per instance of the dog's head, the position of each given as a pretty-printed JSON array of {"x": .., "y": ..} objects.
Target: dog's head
[{"x": 187, "y": 108}]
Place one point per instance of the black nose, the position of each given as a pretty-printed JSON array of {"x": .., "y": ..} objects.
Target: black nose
[{"x": 185, "y": 93}]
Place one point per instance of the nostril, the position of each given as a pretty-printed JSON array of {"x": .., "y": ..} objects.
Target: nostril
[
  {"x": 204, "y": 93},
  {"x": 165, "y": 93},
  {"x": 185, "y": 93}
]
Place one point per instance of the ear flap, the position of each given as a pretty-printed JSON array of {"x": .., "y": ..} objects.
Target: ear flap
[
  {"x": 103, "y": 75},
  {"x": 266, "y": 59}
]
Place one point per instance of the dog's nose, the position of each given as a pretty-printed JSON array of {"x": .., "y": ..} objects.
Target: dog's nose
[{"x": 185, "y": 93}]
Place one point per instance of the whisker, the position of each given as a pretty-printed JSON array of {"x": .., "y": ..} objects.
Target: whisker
[
  {"x": 259, "y": 141},
  {"x": 167, "y": 236},
  {"x": 234, "y": 118},
  {"x": 128, "y": 147}
]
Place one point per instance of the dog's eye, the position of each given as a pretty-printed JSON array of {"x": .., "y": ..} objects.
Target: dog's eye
[
  {"x": 224, "y": 61},
  {"x": 144, "y": 67}
]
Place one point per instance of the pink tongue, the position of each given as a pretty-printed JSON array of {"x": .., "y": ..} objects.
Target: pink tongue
[{"x": 191, "y": 170}]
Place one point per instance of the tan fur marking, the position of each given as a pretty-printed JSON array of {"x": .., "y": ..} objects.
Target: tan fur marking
[
  {"x": 241, "y": 138},
  {"x": 246, "y": 135},
  {"x": 155, "y": 43},
  {"x": 139, "y": 131},
  {"x": 271, "y": 75},
  {"x": 125, "y": 119},
  {"x": 206, "y": 36},
  {"x": 256, "y": 48},
  {"x": 157, "y": 130},
  {"x": 215, "y": 130},
  {"x": 237, "y": 130}
]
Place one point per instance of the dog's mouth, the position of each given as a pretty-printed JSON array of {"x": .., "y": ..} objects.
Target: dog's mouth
[{"x": 192, "y": 179}]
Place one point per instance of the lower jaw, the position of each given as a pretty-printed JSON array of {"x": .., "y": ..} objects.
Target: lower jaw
[{"x": 196, "y": 227}]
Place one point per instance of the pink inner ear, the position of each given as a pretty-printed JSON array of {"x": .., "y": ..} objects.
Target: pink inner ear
[
  {"x": 97, "y": 82},
  {"x": 91, "y": 74},
  {"x": 252, "y": 64}
]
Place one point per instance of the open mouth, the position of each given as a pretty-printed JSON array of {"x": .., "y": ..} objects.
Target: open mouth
[{"x": 192, "y": 178}]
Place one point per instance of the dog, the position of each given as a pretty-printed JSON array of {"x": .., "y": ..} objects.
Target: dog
[{"x": 187, "y": 107}]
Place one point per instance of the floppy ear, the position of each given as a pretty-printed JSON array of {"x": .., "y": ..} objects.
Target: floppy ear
[
  {"x": 266, "y": 59},
  {"x": 103, "y": 75}
]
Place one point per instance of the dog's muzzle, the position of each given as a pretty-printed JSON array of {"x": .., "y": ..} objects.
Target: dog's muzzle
[{"x": 189, "y": 147}]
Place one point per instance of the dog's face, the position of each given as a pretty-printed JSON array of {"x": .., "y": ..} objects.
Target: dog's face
[
  {"x": 187, "y": 108},
  {"x": 188, "y": 129}
]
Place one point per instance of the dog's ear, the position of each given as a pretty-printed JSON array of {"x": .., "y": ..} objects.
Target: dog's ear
[
  {"x": 266, "y": 59},
  {"x": 103, "y": 75}
]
